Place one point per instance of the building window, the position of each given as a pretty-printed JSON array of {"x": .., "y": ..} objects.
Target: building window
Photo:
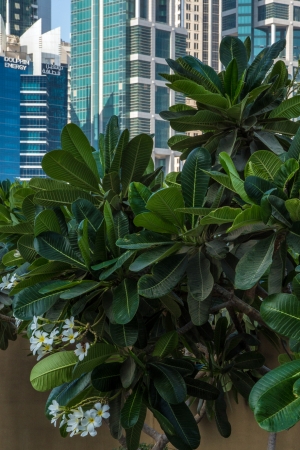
[
  {"x": 160, "y": 162},
  {"x": 196, "y": 54},
  {"x": 161, "y": 68},
  {"x": 196, "y": 36},
  {"x": 17, "y": 5},
  {"x": 273, "y": 10},
  {"x": 296, "y": 44},
  {"x": 188, "y": 26},
  {"x": 144, "y": 9},
  {"x": 228, "y": 22},
  {"x": 17, "y": 16},
  {"x": 162, "y": 99},
  {"x": 196, "y": 27},
  {"x": 297, "y": 13},
  {"x": 188, "y": 17},
  {"x": 188, "y": 7},
  {"x": 228, "y": 4},
  {"x": 195, "y": 45},
  {"x": 162, "y": 44},
  {"x": 162, "y": 132},
  {"x": 196, "y": 17},
  {"x": 188, "y": 45},
  {"x": 196, "y": 8},
  {"x": 162, "y": 11}
]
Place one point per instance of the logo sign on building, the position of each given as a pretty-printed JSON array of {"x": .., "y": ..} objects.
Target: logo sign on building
[
  {"x": 16, "y": 63},
  {"x": 51, "y": 69}
]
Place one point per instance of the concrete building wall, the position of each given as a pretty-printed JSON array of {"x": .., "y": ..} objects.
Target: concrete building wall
[{"x": 24, "y": 426}]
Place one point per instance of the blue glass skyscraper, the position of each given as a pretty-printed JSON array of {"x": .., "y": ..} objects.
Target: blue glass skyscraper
[{"x": 118, "y": 49}]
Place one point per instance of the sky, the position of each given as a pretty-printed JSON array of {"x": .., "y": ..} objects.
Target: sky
[{"x": 61, "y": 17}]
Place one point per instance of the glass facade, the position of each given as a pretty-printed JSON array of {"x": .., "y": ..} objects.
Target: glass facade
[
  {"x": 273, "y": 10},
  {"x": 161, "y": 68},
  {"x": 114, "y": 70},
  {"x": 162, "y": 44},
  {"x": 162, "y": 133},
  {"x": 229, "y": 22},
  {"x": 228, "y": 4},
  {"x": 43, "y": 118},
  {"x": 10, "y": 121},
  {"x": 162, "y": 11},
  {"x": 21, "y": 15},
  {"x": 296, "y": 46},
  {"x": 144, "y": 7}
]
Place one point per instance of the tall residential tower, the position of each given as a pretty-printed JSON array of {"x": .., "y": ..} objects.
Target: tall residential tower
[
  {"x": 265, "y": 22},
  {"x": 201, "y": 18},
  {"x": 118, "y": 50}
]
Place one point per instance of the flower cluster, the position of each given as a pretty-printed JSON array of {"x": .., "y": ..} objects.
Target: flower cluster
[
  {"x": 8, "y": 282},
  {"x": 79, "y": 421},
  {"x": 42, "y": 342}
]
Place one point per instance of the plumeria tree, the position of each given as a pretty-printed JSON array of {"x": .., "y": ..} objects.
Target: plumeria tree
[{"x": 142, "y": 292}]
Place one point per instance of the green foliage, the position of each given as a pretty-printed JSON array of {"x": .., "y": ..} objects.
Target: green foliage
[{"x": 171, "y": 281}]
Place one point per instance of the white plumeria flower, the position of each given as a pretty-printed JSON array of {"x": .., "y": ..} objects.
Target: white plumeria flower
[
  {"x": 89, "y": 423},
  {"x": 38, "y": 339},
  {"x": 17, "y": 254},
  {"x": 54, "y": 333},
  {"x": 69, "y": 335},
  {"x": 44, "y": 350},
  {"x": 63, "y": 421},
  {"x": 54, "y": 410},
  {"x": 35, "y": 323},
  {"x": 102, "y": 410},
  {"x": 69, "y": 323},
  {"x": 74, "y": 421},
  {"x": 81, "y": 350},
  {"x": 7, "y": 283}
]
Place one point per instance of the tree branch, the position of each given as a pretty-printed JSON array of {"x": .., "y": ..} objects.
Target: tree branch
[
  {"x": 8, "y": 319},
  {"x": 241, "y": 306},
  {"x": 272, "y": 441},
  {"x": 151, "y": 432}
]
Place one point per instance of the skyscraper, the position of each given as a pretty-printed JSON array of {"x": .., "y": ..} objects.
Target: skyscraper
[
  {"x": 33, "y": 99},
  {"x": 265, "y": 23},
  {"x": 201, "y": 18},
  {"x": 118, "y": 50},
  {"x": 23, "y": 13}
]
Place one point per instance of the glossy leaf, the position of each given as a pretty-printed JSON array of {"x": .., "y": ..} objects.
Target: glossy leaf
[
  {"x": 55, "y": 247},
  {"x": 97, "y": 354},
  {"x": 132, "y": 408},
  {"x": 53, "y": 371},
  {"x": 138, "y": 195},
  {"x": 61, "y": 165},
  {"x": 200, "y": 279},
  {"x": 165, "y": 275},
  {"x": 166, "y": 344},
  {"x": 281, "y": 312},
  {"x": 106, "y": 377},
  {"x": 168, "y": 382},
  {"x": 275, "y": 405},
  {"x": 125, "y": 301},
  {"x": 164, "y": 203},
  {"x": 258, "y": 260},
  {"x": 201, "y": 389}
]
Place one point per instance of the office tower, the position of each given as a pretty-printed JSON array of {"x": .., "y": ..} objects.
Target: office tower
[
  {"x": 265, "y": 23},
  {"x": 201, "y": 18},
  {"x": 118, "y": 50},
  {"x": 33, "y": 99},
  {"x": 23, "y": 13}
]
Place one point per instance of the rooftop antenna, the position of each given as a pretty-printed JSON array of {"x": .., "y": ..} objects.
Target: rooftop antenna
[{"x": 7, "y": 18}]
